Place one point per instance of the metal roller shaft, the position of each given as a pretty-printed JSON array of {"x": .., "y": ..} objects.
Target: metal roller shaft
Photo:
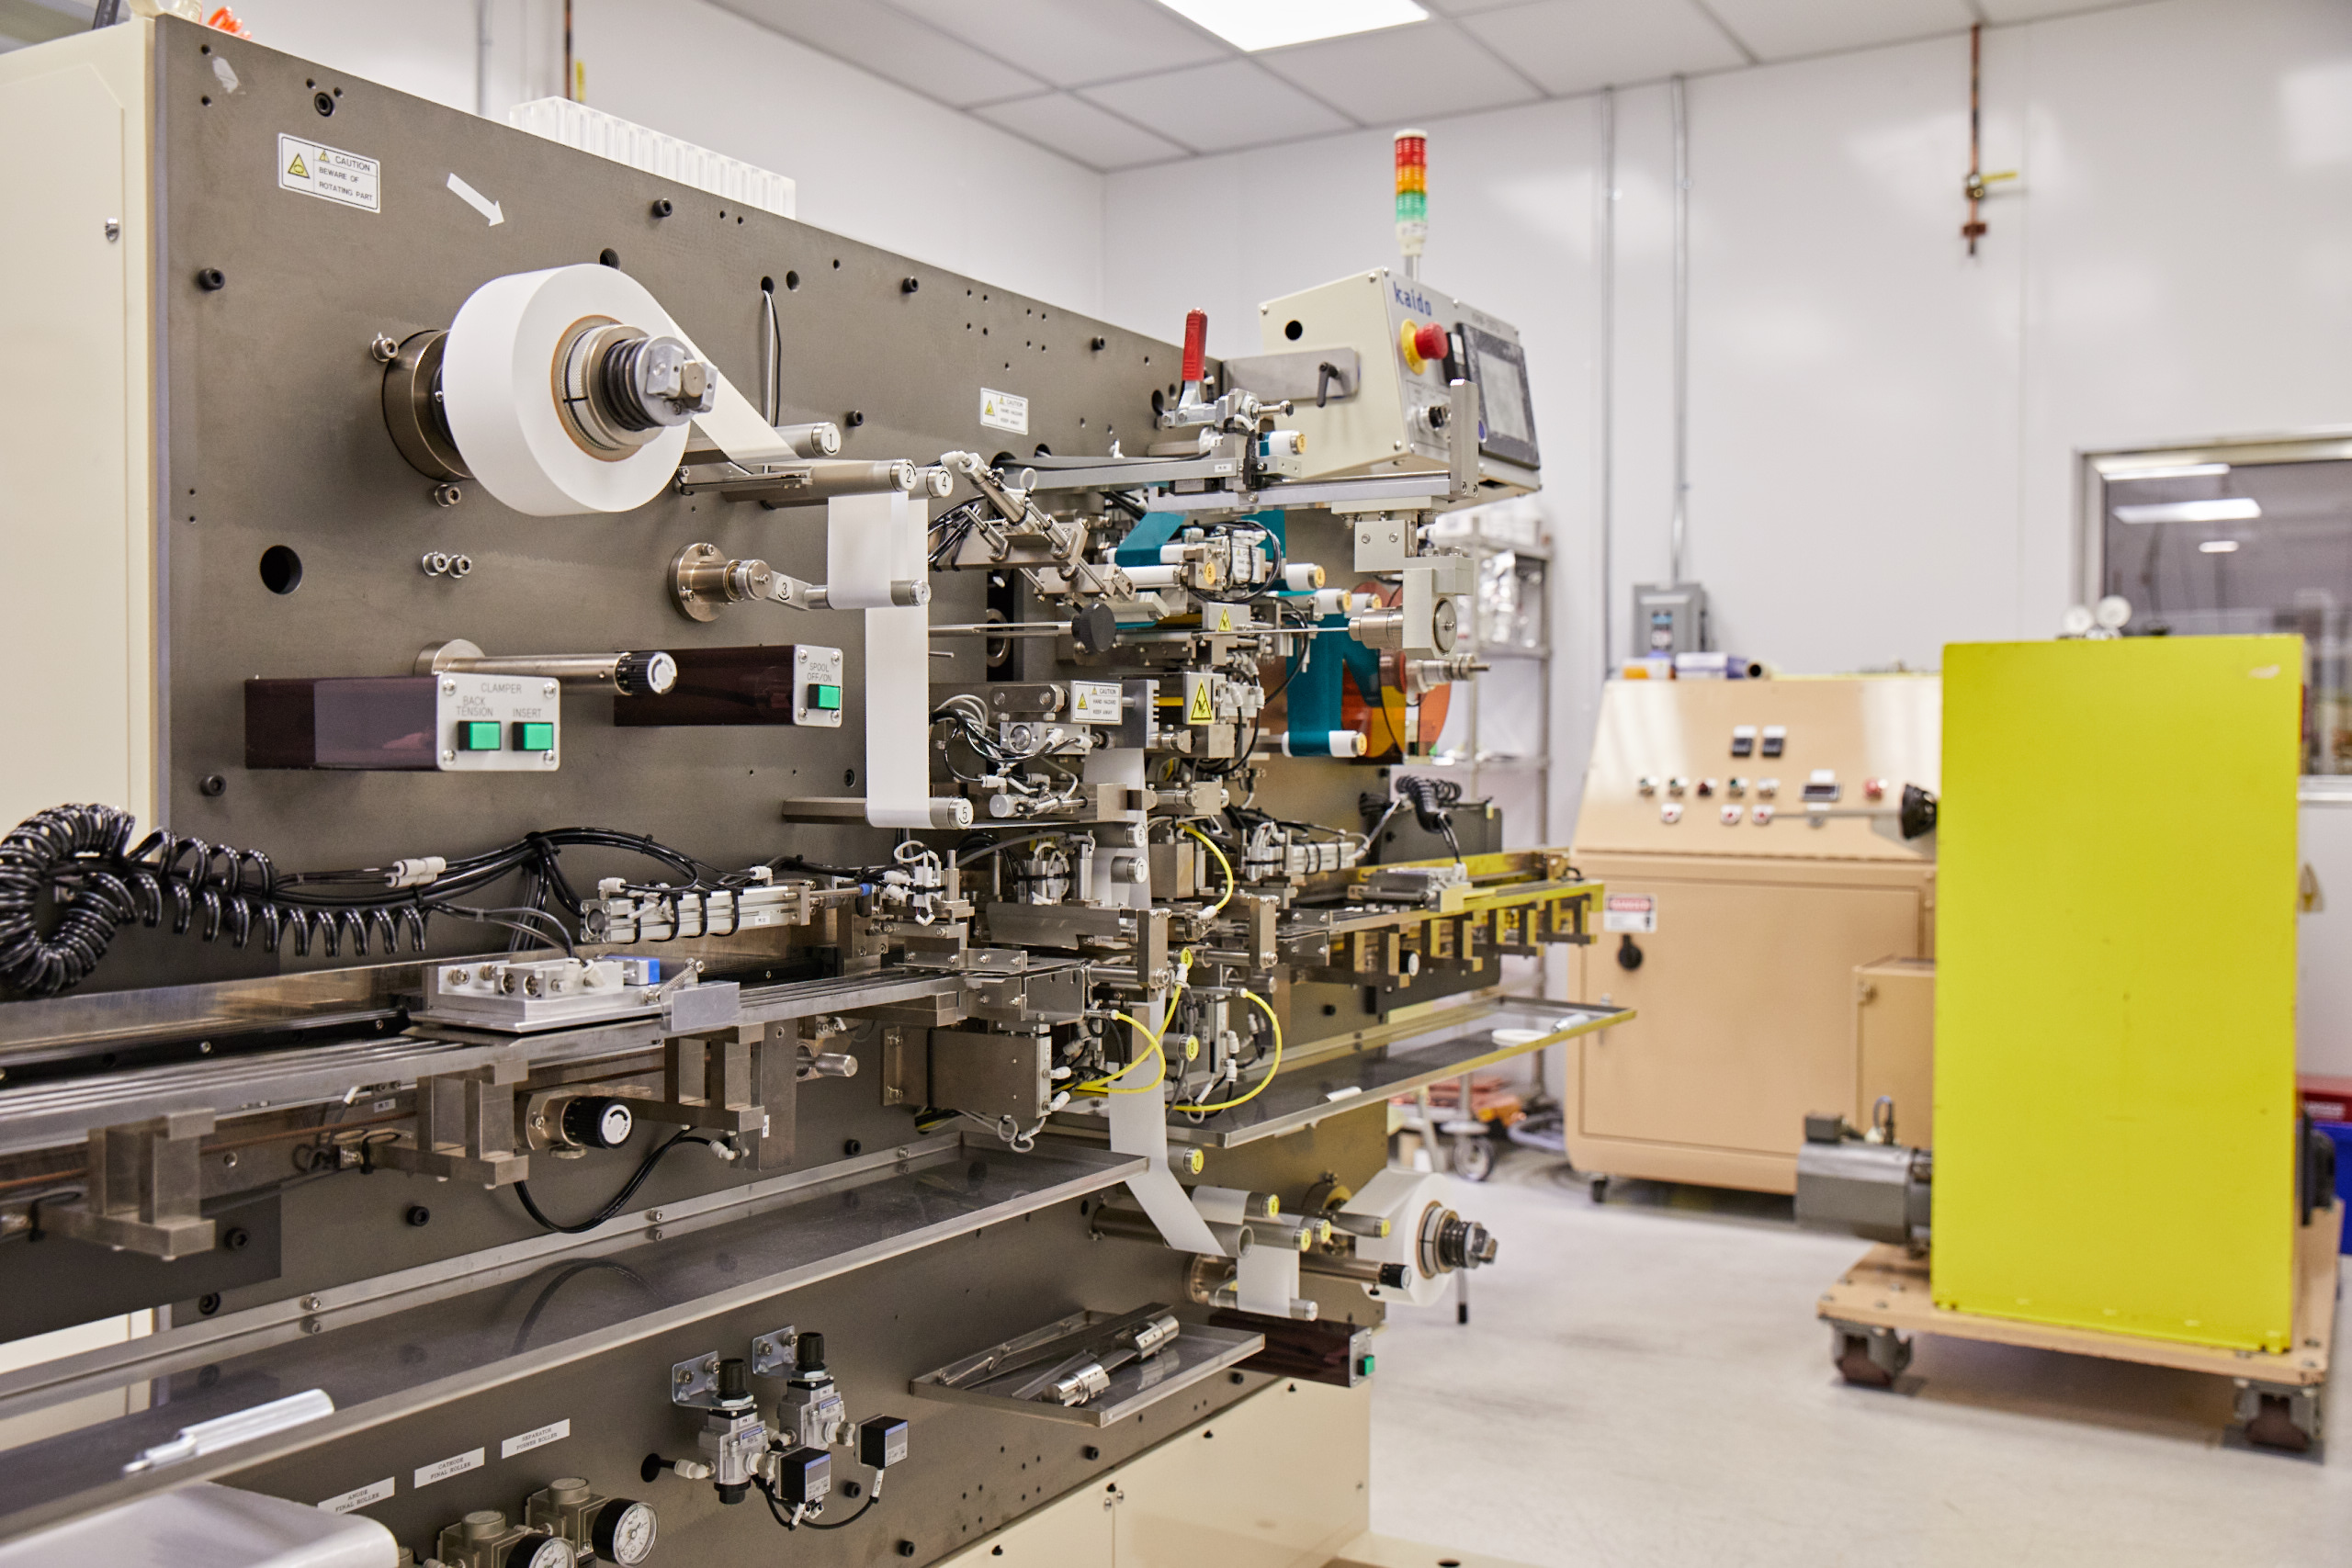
[{"x": 632, "y": 674}]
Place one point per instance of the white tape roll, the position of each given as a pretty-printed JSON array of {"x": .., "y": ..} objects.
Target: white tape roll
[{"x": 498, "y": 391}]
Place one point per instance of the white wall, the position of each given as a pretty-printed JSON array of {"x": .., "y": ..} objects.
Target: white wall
[
  {"x": 874, "y": 161},
  {"x": 1883, "y": 431}
]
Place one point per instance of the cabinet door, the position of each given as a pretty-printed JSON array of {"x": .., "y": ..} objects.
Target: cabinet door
[{"x": 1745, "y": 995}]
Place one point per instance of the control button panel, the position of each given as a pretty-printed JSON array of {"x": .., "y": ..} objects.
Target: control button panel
[{"x": 816, "y": 685}]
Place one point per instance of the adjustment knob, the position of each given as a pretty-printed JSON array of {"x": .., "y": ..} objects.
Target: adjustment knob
[
  {"x": 645, "y": 674},
  {"x": 598, "y": 1122}
]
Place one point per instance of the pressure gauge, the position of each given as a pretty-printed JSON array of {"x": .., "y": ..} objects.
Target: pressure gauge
[
  {"x": 623, "y": 1532},
  {"x": 538, "y": 1549}
]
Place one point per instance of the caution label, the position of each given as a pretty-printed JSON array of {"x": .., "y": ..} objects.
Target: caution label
[
  {"x": 330, "y": 174},
  {"x": 1198, "y": 709},
  {"x": 1005, "y": 411}
]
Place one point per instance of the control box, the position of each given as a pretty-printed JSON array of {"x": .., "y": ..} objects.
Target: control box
[
  {"x": 450, "y": 723},
  {"x": 1400, "y": 344},
  {"x": 798, "y": 682}
]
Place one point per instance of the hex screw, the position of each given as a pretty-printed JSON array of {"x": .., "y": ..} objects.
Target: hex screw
[
  {"x": 211, "y": 785},
  {"x": 661, "y": 206},
  {"x": 385, "y": 347},
  {"x": 211, "y": 279},
  {"x": 418, "y": 1215},
  {"x": 908, "y": 285},
  {"x": 447, "y": 495}
]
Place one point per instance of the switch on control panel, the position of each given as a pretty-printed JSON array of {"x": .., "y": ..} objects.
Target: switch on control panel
[
  {"x": 1743, "y": 740},
  {"x": 1776, "y": 739}
]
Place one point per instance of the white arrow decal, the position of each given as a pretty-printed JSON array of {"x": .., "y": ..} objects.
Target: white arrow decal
[{"x": 478, "y": 201}]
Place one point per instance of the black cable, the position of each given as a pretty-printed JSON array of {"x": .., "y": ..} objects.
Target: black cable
[
  {"x": 871, "y": 1498},
  {"x": 620, "y": 1199}
]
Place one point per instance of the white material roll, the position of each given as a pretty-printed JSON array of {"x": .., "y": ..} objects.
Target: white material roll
[{"x": 498, "y": 391}]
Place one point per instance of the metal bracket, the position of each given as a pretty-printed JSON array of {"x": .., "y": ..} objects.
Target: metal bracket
[
  {"x": 693, "y": 1384},
  {"x": 143, "y": 1188},
  {"x": 774, "y": 1355},
  {"x": 464, "y": 1127}
]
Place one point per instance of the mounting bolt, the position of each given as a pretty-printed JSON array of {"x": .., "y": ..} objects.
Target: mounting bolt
[
  {"x": 1099, "y": 344},
  {"x": 211, "y": 785},
  {"x": 385, "y": 347},
  {"x": 448, "y": 688},
  {"x": 447, "y": 495},
  {"x": 908, "y": 285},
  {"x": 313, "y": 1303},
  {"x": 853, "y": 1148},
  {"x": 906, "y": 1548},
  {"x": 662, "y": 208},
  {"x": 418, "y": 1215},
  {"x": 211, "y": 279},
  {"x": 855, "y": 418},
  {"x": 1090, "y": 1453}
]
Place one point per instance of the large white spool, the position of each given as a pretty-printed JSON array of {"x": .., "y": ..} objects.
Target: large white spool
[{"x": 498, "y": 391}]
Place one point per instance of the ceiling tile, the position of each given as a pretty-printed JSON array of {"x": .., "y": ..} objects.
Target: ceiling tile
[
  {"x": 891, "y": 45},
  {"x": 1574, "y": 46},
  {"x": 1783, "y": 29},
  {"x": 1424, "y": 70},
  {"x": 1464, "y": 7},
  {"x": 1215, "y": 109},
  {"x": 1078, "y": 130},
  {"x": 1069, "y": 42}
]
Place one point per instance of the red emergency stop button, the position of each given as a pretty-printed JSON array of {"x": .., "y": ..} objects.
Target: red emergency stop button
[{"x": 1429, "y": 342}]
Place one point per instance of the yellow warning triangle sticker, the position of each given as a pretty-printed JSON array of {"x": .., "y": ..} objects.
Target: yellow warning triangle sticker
[
  {"x": 1224, "y": 620},
  {"x": 296, "y": 168},
  {"x": 1200, "y": 712}
]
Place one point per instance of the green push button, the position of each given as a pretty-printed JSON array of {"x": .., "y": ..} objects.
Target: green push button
[
  {"x": 829, "y": 698},
  {"x": 531, "y": 736},
  {"x": 1364, "y": 1367},
  {"x": 478, "y": 735}
]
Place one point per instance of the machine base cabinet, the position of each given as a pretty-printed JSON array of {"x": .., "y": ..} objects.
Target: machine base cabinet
[{"x": 1278, "y": 1481}]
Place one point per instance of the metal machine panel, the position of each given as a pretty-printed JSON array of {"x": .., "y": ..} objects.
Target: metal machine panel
[
  {"x": 1743, "y": 992},
  {"x": 2115, "y": 1079},
  {"x": 1676, "y": 744}
]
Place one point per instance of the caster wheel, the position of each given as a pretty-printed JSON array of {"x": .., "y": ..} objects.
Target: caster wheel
[
  {"x": 1599, "y": 1188},
  {"x": 1854, "y": 1364},
  {"x": 1474, "y": 1158},
  {"x": 2273, "y": 1426}
]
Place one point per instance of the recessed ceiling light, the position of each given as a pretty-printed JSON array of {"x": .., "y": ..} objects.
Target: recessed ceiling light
[
  {"x": 2219, "y": 547},
  {"x": 2168, "y": 472},
  {"x": 1254, "y": 24},
  {"x": 2232, "y": 508}
]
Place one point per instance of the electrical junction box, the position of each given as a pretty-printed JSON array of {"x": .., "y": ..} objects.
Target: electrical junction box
[
  {"x": 448, "y": 723},
  {"x": 1394, "y": 419},
  {"x": 1668, "y": 618}
]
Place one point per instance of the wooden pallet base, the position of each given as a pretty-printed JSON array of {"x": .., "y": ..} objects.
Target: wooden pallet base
[{"x": 1885, "y": 1296}]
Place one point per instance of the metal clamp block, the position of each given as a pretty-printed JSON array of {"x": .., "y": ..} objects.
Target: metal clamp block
[
  {"x": 464, "y": 1127},
  {"x": 142, "y": 1192}
]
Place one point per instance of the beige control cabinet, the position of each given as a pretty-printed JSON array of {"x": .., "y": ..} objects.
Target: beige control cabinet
[{"x": 1748, "y": 835}]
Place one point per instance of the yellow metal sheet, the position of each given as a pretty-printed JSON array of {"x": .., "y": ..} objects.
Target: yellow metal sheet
[{"x": 2115, "y": 985}]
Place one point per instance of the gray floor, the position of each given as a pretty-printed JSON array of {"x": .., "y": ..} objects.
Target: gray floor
[{"x": 1643, "y": 1383}]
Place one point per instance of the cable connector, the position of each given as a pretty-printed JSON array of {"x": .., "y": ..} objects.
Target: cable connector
[{"x": 420, "y": 872}]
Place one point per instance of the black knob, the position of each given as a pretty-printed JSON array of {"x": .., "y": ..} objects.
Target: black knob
[
  {"x": 1917, "y": 813},
  {"x": 1629, "y": 953},
  {"x": 598, "y": 1122},
  {"x": 645, "y": 674},
  {"x": 1393, "y": 1276},
  {"x": 809, "y": 1353},
  {"x": 734, "y": 1379},
  {"x": 1095, "y": 629}
]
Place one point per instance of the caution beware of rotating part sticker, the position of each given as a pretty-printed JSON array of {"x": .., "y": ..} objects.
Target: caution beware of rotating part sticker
[{"x": 330, "y": 174}]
